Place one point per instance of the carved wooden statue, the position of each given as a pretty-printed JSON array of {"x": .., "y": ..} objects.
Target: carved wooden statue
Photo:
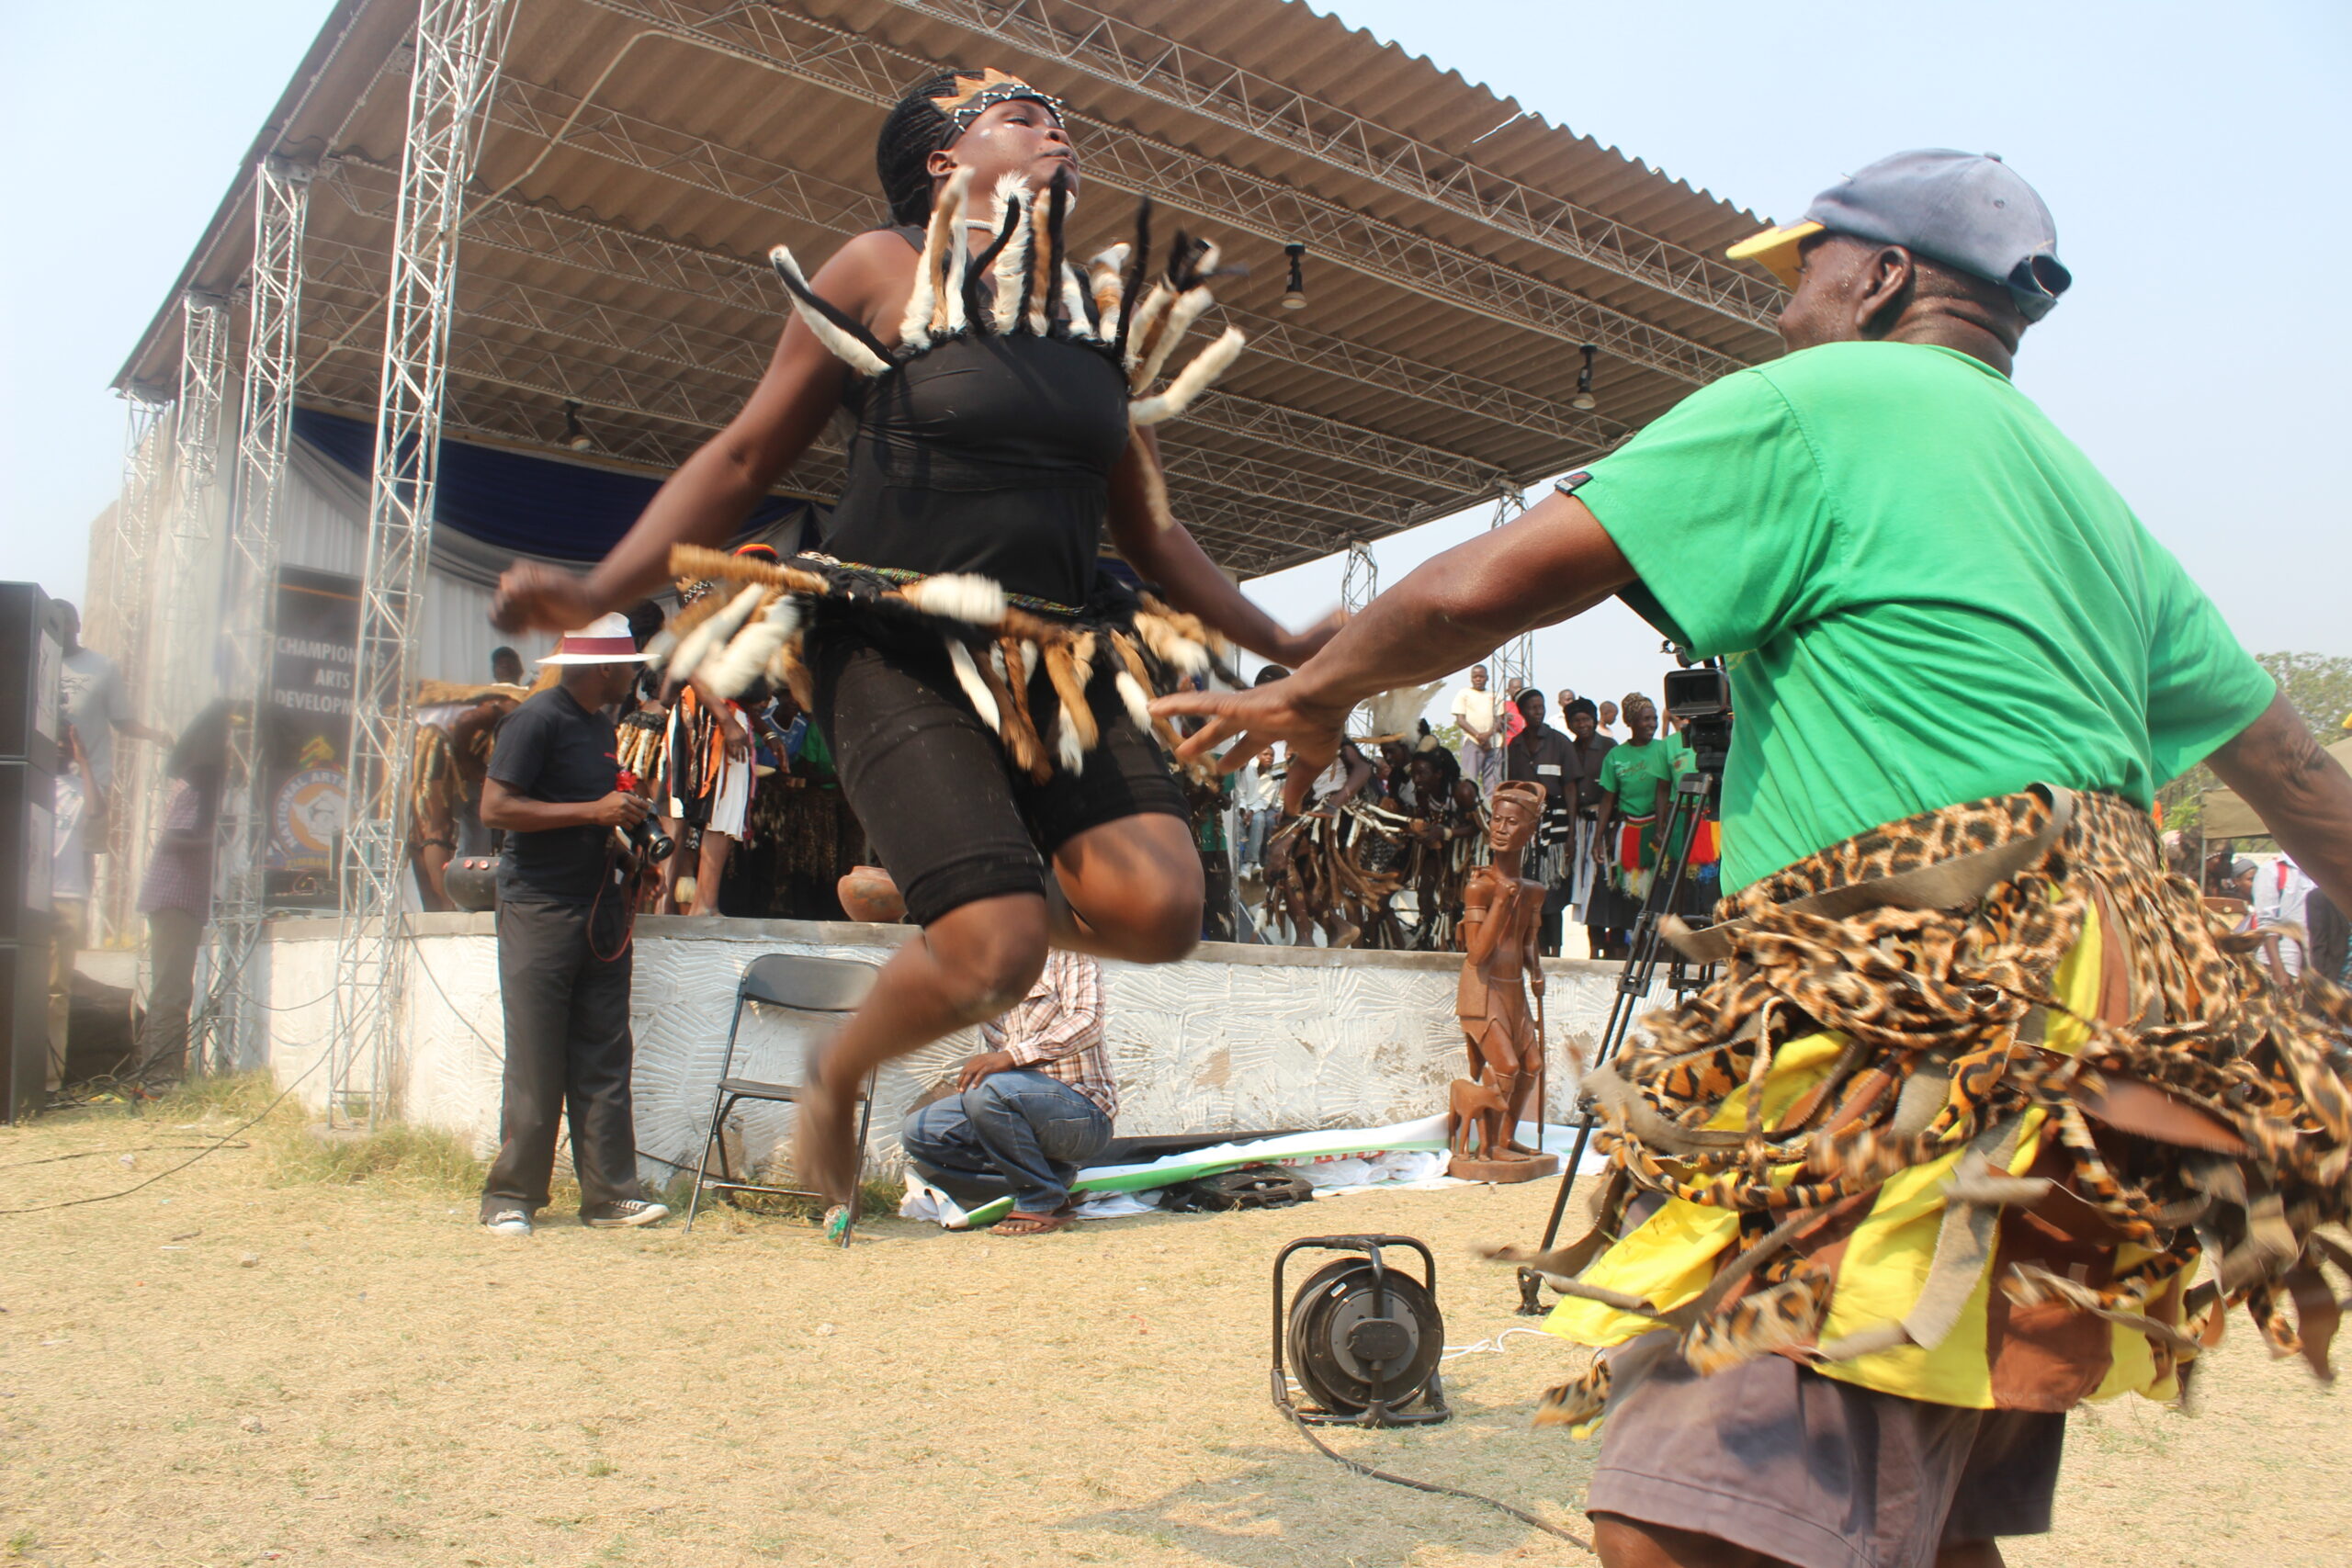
[{"x": 1502, "y": 910}]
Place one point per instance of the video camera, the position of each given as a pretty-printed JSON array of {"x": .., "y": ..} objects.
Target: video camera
[
  {"x": 647, "y": 839},
  {"x": 1700, "y": 694}
]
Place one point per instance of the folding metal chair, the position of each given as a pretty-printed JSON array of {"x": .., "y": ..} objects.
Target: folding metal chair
[{"x": 794, "y": 983}]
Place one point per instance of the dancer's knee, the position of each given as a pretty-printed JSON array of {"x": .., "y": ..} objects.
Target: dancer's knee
[
  {"x": 988, "y": 956},
  {"x": 1156, "y": 926}
]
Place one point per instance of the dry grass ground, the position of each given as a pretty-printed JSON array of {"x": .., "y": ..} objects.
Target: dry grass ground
[{"x": 384, "y": 1383}]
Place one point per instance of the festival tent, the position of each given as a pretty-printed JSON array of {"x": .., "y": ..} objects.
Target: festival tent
[{"x": 2221, "y": 815}]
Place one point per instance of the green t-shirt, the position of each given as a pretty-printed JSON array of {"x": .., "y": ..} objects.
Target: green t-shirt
[
  {"x": 1633, "y": 772},
  {"x": 1925, "y": 595}
]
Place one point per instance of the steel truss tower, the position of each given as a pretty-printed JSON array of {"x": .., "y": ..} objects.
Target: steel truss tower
[
  {"x": 458, "y": 43},
  {"x": 124, "y": 625},
  {"x": 1515, "y": 661},
  {"x": 265, "y": 432},
  {"x": 172, "y": 650}
]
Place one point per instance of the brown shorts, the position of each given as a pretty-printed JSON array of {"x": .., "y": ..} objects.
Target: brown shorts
[{"x": 1821, "y": 1473}]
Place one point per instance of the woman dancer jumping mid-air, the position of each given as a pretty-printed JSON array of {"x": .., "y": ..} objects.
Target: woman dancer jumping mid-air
[{"x": 981, "y": 685}]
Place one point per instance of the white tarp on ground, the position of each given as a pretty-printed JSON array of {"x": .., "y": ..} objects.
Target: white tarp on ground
[{"x": 1333, "y": 1160}]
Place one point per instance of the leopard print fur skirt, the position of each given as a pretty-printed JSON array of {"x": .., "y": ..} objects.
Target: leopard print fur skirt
[{"x": 2200, "y": 1111}]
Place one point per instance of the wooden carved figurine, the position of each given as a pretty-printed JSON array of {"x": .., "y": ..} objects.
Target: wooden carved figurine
[{"x": 1500, "y": 912}]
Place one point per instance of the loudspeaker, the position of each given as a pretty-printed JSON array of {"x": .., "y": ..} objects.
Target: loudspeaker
[
  {"x": 24, "y": 1023},
  {"x": 32, "y": 725},
  {"x": 32, "y": 691}
]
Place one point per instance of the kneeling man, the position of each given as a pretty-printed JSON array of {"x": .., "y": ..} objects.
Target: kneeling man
[{"x": 1033, "y": 1108}]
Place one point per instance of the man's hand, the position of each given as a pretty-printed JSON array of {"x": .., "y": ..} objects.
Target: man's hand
[
  {"x": 620, "y": 809},
  {"x": 1261, "y": 716},
  {"x": 534, "y": 597},
  {"x": 985, "y": 1065}
]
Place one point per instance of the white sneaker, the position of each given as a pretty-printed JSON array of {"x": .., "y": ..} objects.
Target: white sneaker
[
  {"x": 624, "y": 1213},
  {"x": 507, "y": 1222}
]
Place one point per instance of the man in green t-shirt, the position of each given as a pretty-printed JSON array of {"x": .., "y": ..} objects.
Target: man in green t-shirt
[
  {"x": 1637, "y": 780},
  {"x": 1930, "y": 603}
]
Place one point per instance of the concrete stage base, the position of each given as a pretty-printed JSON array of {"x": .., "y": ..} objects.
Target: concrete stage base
[
  {"x": 1237, "y": 1038},
  {"x": 1502, "y": 1172}
]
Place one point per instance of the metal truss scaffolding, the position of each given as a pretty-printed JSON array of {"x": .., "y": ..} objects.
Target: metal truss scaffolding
[
  {"x": 1515, "y": 661},
  {"x": 171, "y": 650},
  {"x": 1360, "y": 578},
  {"x": 1119, "y": 52},
  {"x": 1359, "y": 586},
  {"x": 851, "y": 64},
  {"x": 451, "y": 81},
  {"x": 265, "y": 431},
  {"x": 121, "y": 621}
]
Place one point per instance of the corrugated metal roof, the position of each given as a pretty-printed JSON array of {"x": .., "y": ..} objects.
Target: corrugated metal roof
[{"x": 619, "y": 264}]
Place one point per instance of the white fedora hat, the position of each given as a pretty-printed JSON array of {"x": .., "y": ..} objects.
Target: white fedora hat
[{"x": 604, "y": 640}]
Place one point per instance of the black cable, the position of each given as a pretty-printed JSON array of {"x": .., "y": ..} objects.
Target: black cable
[
  {"x": 457, "y": 1011},
  {"x": 93, "y": 1154},
  {"x": 1362, "y": 1468},
  {"x": 324, "y": 1056}
]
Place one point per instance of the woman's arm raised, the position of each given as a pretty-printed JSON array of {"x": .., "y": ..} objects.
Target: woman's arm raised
[
  {"x": 1171, "y": 557},
  {"x": 707, "y": 499}
]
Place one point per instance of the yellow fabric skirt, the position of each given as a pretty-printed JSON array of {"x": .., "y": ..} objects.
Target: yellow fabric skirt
[{"x": 1676, "y": 1252}]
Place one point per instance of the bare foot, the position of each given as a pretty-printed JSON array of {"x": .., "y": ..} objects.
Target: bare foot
[
  {"x": 1020, "y": 1222},
  {"x": 824, "y": 1144}
]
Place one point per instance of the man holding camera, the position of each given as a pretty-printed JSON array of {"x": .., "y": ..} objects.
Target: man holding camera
[
  {"x": 1869, "y": 1229},
  {"x": 555, "y": 787}
]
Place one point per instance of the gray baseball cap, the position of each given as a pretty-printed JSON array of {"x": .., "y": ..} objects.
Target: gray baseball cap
[{"x": 1968, "y": 210}]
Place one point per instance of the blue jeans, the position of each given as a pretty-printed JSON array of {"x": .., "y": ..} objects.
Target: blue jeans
[{"x": 1022, "y": 1132}]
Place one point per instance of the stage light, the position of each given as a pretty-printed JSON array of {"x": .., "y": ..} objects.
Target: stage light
[
  {"x": 1584, "y": 401},
  {"x": 575, "y": 436},
  {"x": 1294, "y": 292}
]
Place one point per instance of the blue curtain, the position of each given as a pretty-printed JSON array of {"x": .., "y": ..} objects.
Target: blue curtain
[{"x": 538, "y": 506}]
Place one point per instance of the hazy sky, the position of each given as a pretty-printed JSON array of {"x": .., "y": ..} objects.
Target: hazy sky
[{"x": 2194, "y": 158}]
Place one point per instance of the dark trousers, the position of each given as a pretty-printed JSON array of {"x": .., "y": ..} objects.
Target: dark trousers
[
  {"x": 568, "y": 1047},
  {"x": 1023, "y": 1133},
  {"x": 174, "y": 937}
]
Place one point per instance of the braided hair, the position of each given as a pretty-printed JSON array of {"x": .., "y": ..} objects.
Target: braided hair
[{"x": 914, "y": 130}]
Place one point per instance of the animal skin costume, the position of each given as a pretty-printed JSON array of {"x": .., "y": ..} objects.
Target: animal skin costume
[
  {"x": 1974, "y": 1094},
  {"x": 957, "y": 592}
]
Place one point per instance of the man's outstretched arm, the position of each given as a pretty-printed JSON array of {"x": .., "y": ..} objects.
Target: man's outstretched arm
[
  {"x": 2302, "y": 794},
  {"x": 1556, "y": 562}
]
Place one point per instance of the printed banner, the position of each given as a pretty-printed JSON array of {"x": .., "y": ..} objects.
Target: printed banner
[{"x": 306, "y": 734}]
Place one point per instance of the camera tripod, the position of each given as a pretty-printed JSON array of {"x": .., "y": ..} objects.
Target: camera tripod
[{"x": 1693, "y": 793}]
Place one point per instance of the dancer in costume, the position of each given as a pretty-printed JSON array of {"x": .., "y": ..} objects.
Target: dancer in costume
[
  {"x": 1984, "y": 1115},
  {"x": 456, "y": 727},
  {"x": 703, "y": 777},
  {"x": 981, "y": 685}
]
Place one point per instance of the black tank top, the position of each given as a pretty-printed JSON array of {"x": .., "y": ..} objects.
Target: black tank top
[{"x": 985, "y": 454}]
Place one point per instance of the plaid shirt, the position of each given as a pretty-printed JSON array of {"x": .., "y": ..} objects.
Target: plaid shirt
[
  {"x": 1057, "y": 1029},
  {"x": 180, "y": 876}
]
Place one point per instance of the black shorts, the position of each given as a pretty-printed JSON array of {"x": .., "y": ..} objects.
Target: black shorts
[{"x": 939, "y": 800}]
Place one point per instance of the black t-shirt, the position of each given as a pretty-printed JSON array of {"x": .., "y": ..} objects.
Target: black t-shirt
[
  {"x": 551, "y": 749},
  {"x": 1541, "y": 755},
  {"x": 1584, "y": 766}
]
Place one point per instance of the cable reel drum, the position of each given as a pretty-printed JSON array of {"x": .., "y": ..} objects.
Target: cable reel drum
[{"x": 1362, "y": 1339}]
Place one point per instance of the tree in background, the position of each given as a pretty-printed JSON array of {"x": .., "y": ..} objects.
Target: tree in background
[{"x": 2319, "y": 685}]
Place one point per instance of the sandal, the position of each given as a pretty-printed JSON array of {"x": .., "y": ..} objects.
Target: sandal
[{"x": 1021, "y": 1222}]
